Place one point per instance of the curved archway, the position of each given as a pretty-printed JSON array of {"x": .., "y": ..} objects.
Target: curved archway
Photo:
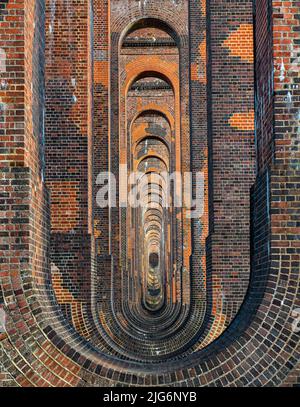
[
  {"x": 150, "y": 22},
  {"x": 150, "y": 83},
  {"x": 156, "y": 109},
  {"x": 161, "y": 70}
]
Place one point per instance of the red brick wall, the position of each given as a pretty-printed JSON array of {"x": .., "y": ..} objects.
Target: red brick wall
[
  {"x": 68, "y": 145},
  {"x": 101, "y": 115},
  {"x": 264, "y": 98},
  {"x": 231, "y": 156},
  {"x": 286, "y": 29},
  {"x": 67, "y": 112},
  {"x": 12, "y": 44}
]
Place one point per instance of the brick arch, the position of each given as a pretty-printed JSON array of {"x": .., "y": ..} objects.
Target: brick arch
[
  {"x": 123, "y": 22},
  {"x": 40, "y": 348},
  {"x": 159, "y": 67},
  {"x": 159, "y": 157},
  {"x": 150, "y": 22},
  {"x": 146, "y": 137},
  {"x": 160, "y": 109}
]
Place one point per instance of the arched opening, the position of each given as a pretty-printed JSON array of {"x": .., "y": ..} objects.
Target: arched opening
[
  {"x": 146, "y": 128},
  {"x": 150, "y": 32},
  {"x": 150, "y": 127}
]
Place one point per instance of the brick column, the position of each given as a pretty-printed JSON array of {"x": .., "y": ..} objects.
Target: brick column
[
  {"x": 68, "y": 150},
  {"x": 231, "y": 156}
]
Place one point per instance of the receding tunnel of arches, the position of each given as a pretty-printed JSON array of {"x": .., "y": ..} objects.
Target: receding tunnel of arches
[
  {"x": 143, "y": 301},
  {"x": 97, "y": 291},
  {"x": 150, "y": 152},
  {"x": 148, "y": 296},
  {"x": 155, "y": 292},
  {"x": 148, "y": 301}
]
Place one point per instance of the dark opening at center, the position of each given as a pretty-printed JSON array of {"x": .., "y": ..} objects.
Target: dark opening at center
[{"x": 153, "y": 260}]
